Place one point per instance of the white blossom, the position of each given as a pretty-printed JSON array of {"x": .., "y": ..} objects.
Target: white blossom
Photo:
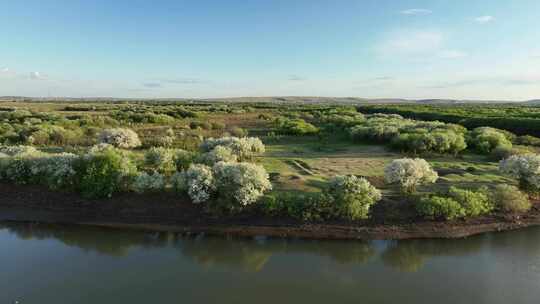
[
  {"x": 526, "y": 168},
  {"x": 197, "y": 181},
  {"x": 145, "y": 182},
  {"x": 219, "y": 153},
  {"x": 243, "y": 182},
  {"x": 19, "y": 151},
  {"x": 120, "y": 137},
  {"x": 244, "y": 148},
  {"x": 409, "y": 173}
]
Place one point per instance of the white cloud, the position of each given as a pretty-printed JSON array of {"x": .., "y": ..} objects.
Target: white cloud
[
  {"x": 484, "y": 19},
  {"x": 411, "y": 42},
  {"x": 451, "y": 54},
  {"x": 5, "y": 70},
  {"x": 416, "y": 11},
  {"x": 36, "y": 76},
  {"x": 417, "y": 45}
]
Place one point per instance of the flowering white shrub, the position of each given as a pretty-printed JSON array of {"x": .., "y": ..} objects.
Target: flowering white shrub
[
  {"x": 244, "y": 148},
  {"x": 120, "y": 137},
  {"x": 57, "y": 170},
  {"x": 240, "y": 184},
  {"x": 219, "y": 153},
  {"x": 160, "y": 159},
  {"x": 100, "y": 148},
  {"x": 197, "y": 181},
  {"x": 409, "y": 173},
  {"x": 145, "y": 182},
  {"x": 19, "y": 151},
  {"x": 29, "y": 165},
  {"x": 525, "y": 168},
  {"x": 353, "y": 196},
  {"x": 16, "y": 169}
]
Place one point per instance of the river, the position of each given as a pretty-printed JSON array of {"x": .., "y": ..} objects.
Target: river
[{"x": 70, "y": 264}]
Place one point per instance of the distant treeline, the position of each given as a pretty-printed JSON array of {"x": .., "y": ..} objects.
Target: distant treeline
[{"x": 520, "y": 120}]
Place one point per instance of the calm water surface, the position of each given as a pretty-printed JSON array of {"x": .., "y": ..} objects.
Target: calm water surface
[{"x": 62, "y": 264}]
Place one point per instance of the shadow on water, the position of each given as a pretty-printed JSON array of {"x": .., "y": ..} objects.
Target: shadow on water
[{"x": 252, "y": 255}]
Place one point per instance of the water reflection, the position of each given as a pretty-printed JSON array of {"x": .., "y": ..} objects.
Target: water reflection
[
  {"x": 252, "y": 256},
  {"x": 411, "y": 255}
]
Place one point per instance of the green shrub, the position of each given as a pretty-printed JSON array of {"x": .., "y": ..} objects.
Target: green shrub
[
  {"x": 301, "y": 206},
  {"x": 183, "y": 159},
  {"x": 101, "y": 174},
  {"x": 160, "y": 159},
  {"x": 439, "y": 207},
  {"x": 474, "y": 203},
  {"x": 200, "y": 124},
  {"x": 509, "y": 199},
  {"x": 457, "y": 203},
  {"x": 486, "y": 139},
  {"x": 295, "y": 127},
  {"x": 218, "y": 126},
  {"x": 353, "y": 196},
  {"x": 238, "y": 132},
  {"x": 528, "y": 140}
]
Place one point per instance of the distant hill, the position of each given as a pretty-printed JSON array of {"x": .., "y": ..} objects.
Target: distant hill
[
  {"x": 533, "y": 102},
  {"x": 272, "y": 99}
]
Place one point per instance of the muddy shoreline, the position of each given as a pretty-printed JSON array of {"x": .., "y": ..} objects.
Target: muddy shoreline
[{"x": 168, "y": 212}]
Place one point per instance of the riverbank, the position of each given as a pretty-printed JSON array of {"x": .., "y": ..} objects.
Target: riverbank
[{"x": 169, "y": 212}]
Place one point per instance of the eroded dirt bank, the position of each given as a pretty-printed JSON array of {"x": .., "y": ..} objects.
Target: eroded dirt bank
[{"x": 168, "y": 212}]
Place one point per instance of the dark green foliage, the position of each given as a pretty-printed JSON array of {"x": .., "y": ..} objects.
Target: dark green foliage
[
  {"x": 103, "y": 174},
  {"x": 521, "y": 120},
  {"x": 300, "y": 206}
]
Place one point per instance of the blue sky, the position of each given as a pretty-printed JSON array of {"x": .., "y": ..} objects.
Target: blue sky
[{"x": 483, "y": 49}]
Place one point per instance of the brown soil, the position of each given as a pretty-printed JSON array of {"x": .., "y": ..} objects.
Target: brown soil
[{"x": 169, "y": 212}]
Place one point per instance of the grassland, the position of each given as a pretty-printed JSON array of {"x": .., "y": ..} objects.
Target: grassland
[{"x": 306, "y": 146}]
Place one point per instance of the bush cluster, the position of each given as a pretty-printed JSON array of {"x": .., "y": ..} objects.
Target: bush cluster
[
  {"x": 231, "y": 185},
  {"x": 346, "y": 197},
  {"x": 410, "y": 135},
  {"x": 457, "y": 203},
  {"x": 101, "y": 172}
]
